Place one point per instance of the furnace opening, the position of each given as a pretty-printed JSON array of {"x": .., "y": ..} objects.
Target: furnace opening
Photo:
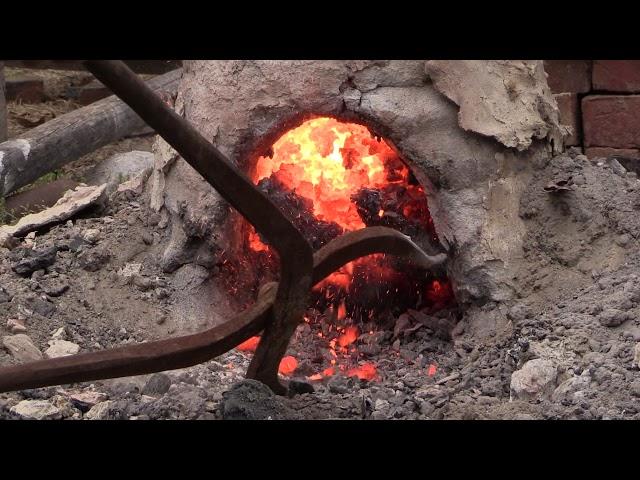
[{"x": 330, "y": 177}]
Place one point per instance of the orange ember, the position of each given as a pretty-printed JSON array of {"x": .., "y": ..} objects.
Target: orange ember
[
  {"x": 249, "y": 345},
  {"x": 288, "y": 365},
  {"x": 366, "y": 371},
  {"x": 431, "y": 371},
  {"x": 350, "y": 335},
  {"x": 328, "y": 161}
]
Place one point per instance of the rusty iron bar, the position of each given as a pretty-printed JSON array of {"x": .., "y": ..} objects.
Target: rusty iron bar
[{"x": 189, "y": 350}]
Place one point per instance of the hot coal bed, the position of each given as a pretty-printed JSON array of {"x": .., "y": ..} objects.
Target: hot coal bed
[{"x": 330, "y": 177}]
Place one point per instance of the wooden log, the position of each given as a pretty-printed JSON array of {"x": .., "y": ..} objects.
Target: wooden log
[
  {"x": 138, "y": 66},
  {"x": 69, "y": 136},
  {"x": 3, "y": 107}
]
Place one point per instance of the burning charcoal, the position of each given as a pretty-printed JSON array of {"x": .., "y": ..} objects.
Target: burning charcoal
[
  {"x": 27, "y": 261},
  {"x": 368, "y": 203},
  {"x": 300, "y": 211},
  {"x": 339, "y": 384},
  {"x": 297, "y": 387}
]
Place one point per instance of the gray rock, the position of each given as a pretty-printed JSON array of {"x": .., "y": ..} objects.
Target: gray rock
[
  {"x": 94, "y": 259},
  {"x": 612, "y": 317},
  {"x": 299, "y": 387},
  {"x": 61, "y": 348},
  {"x": 252, "y": 400},
  {"x": 617, "y": 168},
  {"x": 22, "y": 348},
  {"x": 567, "y": 389},
  {"x": 26, "y": 261},
  {"x": 55, "y": 287},
  {"x": 100, "y": 411},
  {"x": 339, "y": 384},
  {"x": 635, "y": 388},
  {"x": 16, "y": 325},
  {"x": 536, "y": 379},
  {"x": 4, "y": 296},
  {"x": 37, "y": 305},
  {"x": 37, "y": 410},
  {"x": 120, "y": 168},
  {"x": 84, "y": 401},
  {"x": 158, "y": 384},
  {"x": 147, "y": 238},
  {"x": 91, "y": 235},
  {"x": 636, "y": 355}
]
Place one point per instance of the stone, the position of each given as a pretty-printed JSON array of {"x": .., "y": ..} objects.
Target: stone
[
  {"x": 143, "y": 283},
  {"x": 69, "y": 205},
  {"x": 339, "y": 384},
  {"x": 568, "y": 106},
  {"x": 567, "y": 389},
  {"x": 635, "y": 388},
  {"x": 37, "y": 410},
  {"x": 616, "y": 75},
  {"x": 94, "y": 259},
  {"x": 28, "y": 260},
  {"x": 253, "y": 400},
  {"x": 147, "y": 238},
  {"x": 55, "y": 287},
  {"x": 636, "y": 355},
  {"x": 61, "y": 348},
  {"x": 120, "y": 168},
  {"x": 4, "y": 295},
  {"x": 535, "y": 380},
  {"x": 15, "y": 325},
  {"x": 22, "y": 347},
  {"x": 568, "y": 75},
  {"x": 135, "y": 186},
  {"x": 130, "y": 269},
  {"x": 611, "y": 121},
  {"x": 297, "y": 387},
  {"x": 612, "y": 317},
  {"x": 91, "y": 235},
  {"x": 158, "y": 384},
  {"x": 59, "y": 334},
  {"x": 99, "y": 411},
  {"x": 84, "y": 401},
  {"x": 37, "y": 305}
]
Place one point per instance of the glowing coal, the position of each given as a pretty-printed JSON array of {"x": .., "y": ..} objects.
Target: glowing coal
[{"x": 330, "y": 177}]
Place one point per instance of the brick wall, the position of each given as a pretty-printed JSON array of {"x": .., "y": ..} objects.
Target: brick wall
[{"x": 600, "y": 100}]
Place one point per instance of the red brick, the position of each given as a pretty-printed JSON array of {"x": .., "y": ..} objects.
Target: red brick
[
  {"x": 570, "y": 116},
  {"x": 606, "y": 152},
  {"x": 92, "y": 92},
  {"x": 24, "y": 89},
  {"x": 611, "y": 121},
  {"x": 616, "y": 75},
  {"x": 572, "y": 76}
]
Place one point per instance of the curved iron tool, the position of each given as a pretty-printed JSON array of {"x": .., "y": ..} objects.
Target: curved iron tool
[{"x": 192, "y": 349}]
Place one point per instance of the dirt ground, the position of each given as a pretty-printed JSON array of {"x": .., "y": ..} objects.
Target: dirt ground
[{"x": 563, "y": 350}]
